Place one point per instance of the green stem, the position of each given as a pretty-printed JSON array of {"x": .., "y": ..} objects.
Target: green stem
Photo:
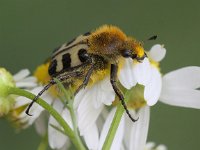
[
  {"x": 77, "y": 143},
  {"x": 74, "y": 121},
  {"x": 69, "y": 99},
  {"x": 114, "y": 125}
]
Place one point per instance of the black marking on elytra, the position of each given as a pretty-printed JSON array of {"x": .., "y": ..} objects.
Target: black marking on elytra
[
  {"x": 66, "y": 60},
  {"x": 70, "y": 42},
  {"x": 68, "y": 48},
  {"x": 83, "y": 55},
  {"x": 87, "y": 33},
  {"x": 52, "y": 67}
]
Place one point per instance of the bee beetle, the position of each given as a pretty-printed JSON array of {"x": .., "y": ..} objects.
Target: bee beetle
[{"x": 90, "y": 53}]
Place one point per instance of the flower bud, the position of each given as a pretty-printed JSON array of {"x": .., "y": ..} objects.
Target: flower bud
[{"x": 6, "y": 101}]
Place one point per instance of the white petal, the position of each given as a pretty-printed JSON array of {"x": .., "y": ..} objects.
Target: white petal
[
  {"x": 21, "y": 74},
  {"x": 149, "y": 145},
  {"x": 26, "y": 84},
  {"x": 91, "y": 103},
  {"x": 66, "y": 146},
  {"x": 157, "y": 52},
  {"x": 142, "y": 72},
  {"x": 35, "y": 109},
  {"x": 102, "y": 92},
  {"x": 117, "y": 141},
  {"x": 181, "y": 97},
  {"x": 30, "y": 79},
  {"x": 87, "y": 113},
  {"x": 67, "y": 117},
  {"x": 101, "y": 119},
  {"x": 187, "y": 77},
  {"x": 139, "y": 130},
  {"x": 92, "y": 137},
  {"x": 126, "y": 75},
  {"x": 40, "y": 124},
  {"x": 22, "y": 100},
  {"x": 161, "y": 147},
  {"x": 56, "y": 138},
  {"x": 78, "y": 98},
  {"x": 153, "y": 89},
  {"x": 128, "y": 126}
]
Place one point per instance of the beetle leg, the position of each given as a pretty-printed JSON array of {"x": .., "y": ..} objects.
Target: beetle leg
[
  {"x": 86, "y": 79},
  {"x": 46, "y": 87},
  {"x": 52, "y": 82},
  {"x": 113, "y": 79}
]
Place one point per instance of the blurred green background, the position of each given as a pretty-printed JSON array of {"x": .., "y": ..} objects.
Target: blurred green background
[{"x": 30, "y": 30}]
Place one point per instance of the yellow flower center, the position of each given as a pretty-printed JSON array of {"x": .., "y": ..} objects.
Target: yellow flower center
[
  {"x": 41, "y": 73},
  {"x": 136, "y": 98}
]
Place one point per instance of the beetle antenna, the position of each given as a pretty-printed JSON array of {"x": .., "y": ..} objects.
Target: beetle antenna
[{"x": 154, "y": 37}]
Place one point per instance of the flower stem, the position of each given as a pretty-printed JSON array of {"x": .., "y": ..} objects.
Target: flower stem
[
  {"x": 77, "y": 143},
  {"x": 114, "y": 125},
  {"x": 69, "y": 99}
]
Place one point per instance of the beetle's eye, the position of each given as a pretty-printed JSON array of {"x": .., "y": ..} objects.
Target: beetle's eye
[{"x": 126, "y": 53}]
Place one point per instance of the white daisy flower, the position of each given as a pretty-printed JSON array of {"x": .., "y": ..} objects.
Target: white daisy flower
[
  {"x": 178, "y": 88},
  {"x": 174, "y": 88},
  {"x": 128, "y": 137},
  {"x": 57, "y": 139},
  {"x": 97, "y": 135},
  {"x": 23, "y": 80},
  {"x": 135, "y": 135},
  {"x": 146, "y": 74},
  {"x": 90, "y": 101},
  {"x": 18, "y": 115}
]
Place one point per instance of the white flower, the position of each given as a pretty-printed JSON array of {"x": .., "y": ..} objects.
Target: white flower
[
  {"x": 136, "y": 133},
  {"x": 95, "y": 136},
  {"x": 90, "y": 101},
  {"x": 127, "y": 137},
  {"x": 144, "y": 74},
  {"x": 58, "y": 140},
  {"x": 23, "y": 80},
  {"x": 179, "y": 88}
]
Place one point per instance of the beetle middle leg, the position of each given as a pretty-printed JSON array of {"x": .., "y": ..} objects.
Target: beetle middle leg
[{"x": 86, "y": 79}]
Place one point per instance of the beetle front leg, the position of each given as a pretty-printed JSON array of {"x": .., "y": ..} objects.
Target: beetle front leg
[{"x": 113, "y": 80}]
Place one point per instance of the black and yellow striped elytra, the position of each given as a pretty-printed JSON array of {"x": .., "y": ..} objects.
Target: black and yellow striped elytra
[
  {"x": 91, "y": 53},
  {"x": 69, "y": 55}
]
